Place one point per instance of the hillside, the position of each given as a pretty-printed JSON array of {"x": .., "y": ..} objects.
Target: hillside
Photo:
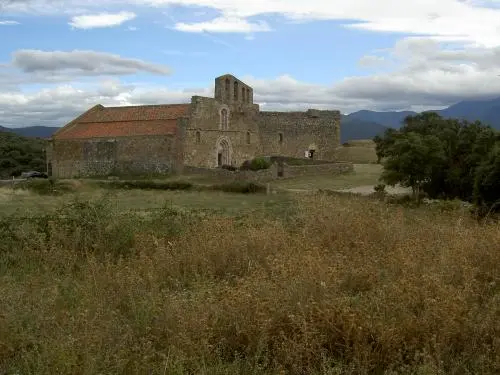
[
  {"x": 32, "y": 131},
  {"x": 18, "y": 154},
  {"x": 388, "y": 119},
  {"x": 485, "y": 111},
  {"x": 353, "y": 129}
]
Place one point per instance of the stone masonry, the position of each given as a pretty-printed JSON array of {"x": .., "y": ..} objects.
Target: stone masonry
[{"x": 208, "y": 133}]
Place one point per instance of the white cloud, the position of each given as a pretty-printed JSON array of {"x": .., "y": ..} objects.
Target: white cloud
[
  {"x": 450, "y": 20},
  {"x": 223, "y": 25},
  {"x": 100, "y": 20},
  {"x": 8, "y": 23},
  {"x": 426, "y": 72},
  {"x": 81, "y": 63},
  {"x": 371, "y": 61}
]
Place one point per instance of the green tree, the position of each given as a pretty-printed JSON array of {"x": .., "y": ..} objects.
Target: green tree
[
  {"x": 19, "y": 154},
  {"x": 382, "y": 144},
  {"x": 412, "y": 160},
  {"x": 464, "y": 146},
  {"x": 487, "y": 182}
]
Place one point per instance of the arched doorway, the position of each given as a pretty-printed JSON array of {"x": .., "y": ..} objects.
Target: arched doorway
[
  {"x": 312, "y": 150},
  {"x": 223, "y": 151}
]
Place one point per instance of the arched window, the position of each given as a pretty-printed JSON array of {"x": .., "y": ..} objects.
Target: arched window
[
  {"x": 198, "y": 137},
  {"x": 248, "y": 138},
  {"x": 243, "y": 95},
  {"x": 248, "y": 95},
  {"x": 236, "y": 91},
  {"x": 227, "y": 89},
  {"x": 224, "y": 119}
]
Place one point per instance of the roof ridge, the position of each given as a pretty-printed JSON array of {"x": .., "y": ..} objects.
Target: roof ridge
[
  {"x": 135, "y": 120},
  {"x": 146, "y": 105}
]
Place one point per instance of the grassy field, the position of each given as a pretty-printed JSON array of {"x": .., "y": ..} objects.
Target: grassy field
[
  {"x": 363, "y": 174},
  {"x": 23, "y": 201},
  {"x": 348, "y": 286},
  {"x": 100, "y": 281}
]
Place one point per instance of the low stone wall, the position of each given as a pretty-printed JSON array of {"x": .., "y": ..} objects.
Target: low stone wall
[
  {"x": 225, "y": 175},
  {"x": 266, "y": 175},
  {"x": 332, "y": 169}
]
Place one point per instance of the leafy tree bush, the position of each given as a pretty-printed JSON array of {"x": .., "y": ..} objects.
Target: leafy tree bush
[
  {"x": 146, "y": 185},
  {"x": 487, "y": 183},
  {"x": 438, "y": 156},
  {"x": 255, "y": 164},
  {"x": 240, "y": 187},
  {"x": 18, "y": 154}
]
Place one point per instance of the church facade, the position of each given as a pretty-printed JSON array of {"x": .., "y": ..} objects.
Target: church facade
[{"x": 208, "y": 132}]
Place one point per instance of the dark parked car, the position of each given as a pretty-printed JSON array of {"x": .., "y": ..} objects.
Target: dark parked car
[{"x": 33, "y": 174}]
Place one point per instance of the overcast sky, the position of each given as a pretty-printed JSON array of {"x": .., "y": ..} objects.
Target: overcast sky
[{"x": 58, "y": 58}]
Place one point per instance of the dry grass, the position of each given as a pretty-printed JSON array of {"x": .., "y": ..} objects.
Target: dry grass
[
  {"x": 352, "y": 287},
  {"x": 22, "y": 202},
  {"x": 357, "y": 151},
  {"x": 363, "y": 175}
]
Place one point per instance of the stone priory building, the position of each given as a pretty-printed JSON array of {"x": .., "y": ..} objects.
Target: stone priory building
[{"x": 208, "y": 132}]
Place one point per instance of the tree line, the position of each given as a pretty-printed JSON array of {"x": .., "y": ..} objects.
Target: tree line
[
  {"x": 20, "y": 154},
  {"x": 443, "y": 158}
]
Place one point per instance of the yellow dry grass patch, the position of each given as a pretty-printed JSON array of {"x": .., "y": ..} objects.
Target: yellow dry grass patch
[{"x": 351, "y": 287}]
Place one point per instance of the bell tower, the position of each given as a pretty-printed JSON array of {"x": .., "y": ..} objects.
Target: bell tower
[{"x": 230, "y": 90}]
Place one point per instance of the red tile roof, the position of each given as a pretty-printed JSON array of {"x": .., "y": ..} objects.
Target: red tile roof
[
  {"x": 125, "y": 121},
  {"x": 138, "y": 113},
  {"x": 120, "y": 129}
]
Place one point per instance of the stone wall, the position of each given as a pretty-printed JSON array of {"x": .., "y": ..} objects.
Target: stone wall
[
  {"x": 267, "y": 175},
  {"x": 205, "y": 130},
  {"x": 225, "y": 176},
  {"x": 316, "y": 170},
  {"x": 293, "y": 133},
  {"x": 115, "y": 156}
]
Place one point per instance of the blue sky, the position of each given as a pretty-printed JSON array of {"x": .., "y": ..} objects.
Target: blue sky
[{"x": 60, "y": 57}]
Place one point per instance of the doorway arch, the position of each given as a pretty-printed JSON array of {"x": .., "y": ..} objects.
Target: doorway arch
[
  {"x": 313, "y": 149},
  {"x": 223, "y": 152}
]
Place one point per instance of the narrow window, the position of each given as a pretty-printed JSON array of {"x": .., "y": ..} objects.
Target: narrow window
[
  {"x": 243, "y": 95},
  {"x": 236, "y": 91},
  {"x": 224, "y": 119},
  {"x": 248, "y": 96},
  {"x": 248, "y": 138},
  {"x": 198, "y": 137},
  {"x": 227, "y": 89},
  {"x": 280, "y": 138}
]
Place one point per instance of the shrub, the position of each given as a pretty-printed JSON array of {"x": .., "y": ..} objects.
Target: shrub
[
  {"x": 147, "y": 185},
  {"x": 255, "y": 164},
  {"x": 48, "y": 186},
  {"x": 229, "y": 167},
  {"x": 239, "y": 187}
]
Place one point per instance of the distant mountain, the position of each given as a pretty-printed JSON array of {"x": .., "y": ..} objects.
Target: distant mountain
[
  {"x": 352, "y": 129},
  {"x": 33, "y": 131},
  {"x": 389, "y": 119},
  {"x": 486, "y": 111}
]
